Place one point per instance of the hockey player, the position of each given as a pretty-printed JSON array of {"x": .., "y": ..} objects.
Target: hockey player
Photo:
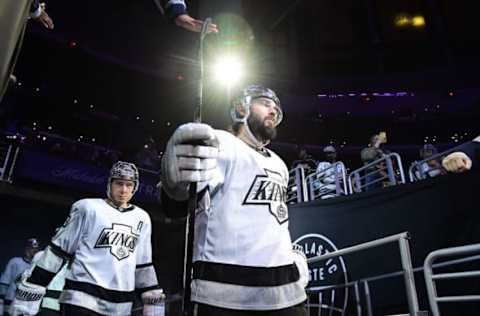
[
  {"x": 106, "y": 244},
  {"x": 15, "y": 267},
  {"x": 243, "y": 259}
]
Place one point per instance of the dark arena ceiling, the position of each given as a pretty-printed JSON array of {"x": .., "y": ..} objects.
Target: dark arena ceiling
[{"x": 117, "y": 70}]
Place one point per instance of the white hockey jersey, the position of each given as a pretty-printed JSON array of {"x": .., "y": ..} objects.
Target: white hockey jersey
[
  {"x": 54, "y": 289},
  {"x": 243, "y": 251},
  {"x": 13, "y": 271},
  {"x": 109, "y": 257}
]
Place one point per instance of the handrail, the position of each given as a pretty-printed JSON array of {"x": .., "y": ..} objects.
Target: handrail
[
  {"x": 296, "y": 180},
  {"x": 388, "y": 159},
  {"x": 405, "y": 257},
  {"x": 318, "y": 185},
  {"x": 416, "y": 166},
  {"x": 430, "y": 277}
]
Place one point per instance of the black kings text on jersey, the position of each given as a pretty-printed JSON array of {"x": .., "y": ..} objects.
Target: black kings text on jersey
[
  {"x": 271, "y": 190},
  {"x": 120, "y": 239}
]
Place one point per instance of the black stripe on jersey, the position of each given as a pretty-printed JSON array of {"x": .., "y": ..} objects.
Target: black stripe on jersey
[
  {"x": 100, "y": 292},
  {"x": 41, "y": 276},
  {"x": 144, "y": 265},
  {"x": 53, "y": 294},
  {"x": 60, "y": 252},
  {"x": 7, "y": 302},
  {"x": 244, "y": 275},
  {"x": 142, "y": 290}
]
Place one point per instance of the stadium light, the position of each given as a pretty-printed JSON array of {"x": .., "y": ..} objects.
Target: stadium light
[{"x": 228, "y": 70}]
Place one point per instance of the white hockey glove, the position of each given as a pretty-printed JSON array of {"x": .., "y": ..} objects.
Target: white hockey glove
[
  {"x": 457, "y": 162},
  {"x": 28, "y": 298},
  {"x": 191, "y": 156},
  {"x": 153, "y": 303},
  {"x": 301, "y": 262}
]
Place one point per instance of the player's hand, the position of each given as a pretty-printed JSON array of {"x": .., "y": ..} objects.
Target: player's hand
[
  {"x": 152, "y": 300},
  {"x": 194, "y": 25},
  {"x": 44, "y": 18},
  {"x": 457, "y": 162},
  {"x": 301, "y": 262},
  {"x": 191, "y": 156}
]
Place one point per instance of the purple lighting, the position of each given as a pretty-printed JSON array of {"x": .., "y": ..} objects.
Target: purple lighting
[{"x": 364, "y": 94}]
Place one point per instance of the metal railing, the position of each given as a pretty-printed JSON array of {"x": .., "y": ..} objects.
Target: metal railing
[
  {"x": 329, "y": 182},
  {"x": 8, "y": 157},
  {"x": 5, "y": 151},
  {"x": 388, "y": 170},
  {"x": 430, "y": 277},
  {"x": 407, "y": 269},
  {"x": 416, "y": 171},
  {"x": 297, "y": 187}
]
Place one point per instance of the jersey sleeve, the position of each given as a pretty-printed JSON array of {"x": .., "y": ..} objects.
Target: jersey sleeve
[
  {"x": 171, "y": 8},
  {"x": 145, "y": 275},
  {"x": 7, "y": 277},
  {"x": 62, "y": 246}
]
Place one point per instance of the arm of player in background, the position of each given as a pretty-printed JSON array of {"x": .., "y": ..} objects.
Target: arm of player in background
[
  {"x": 61, "y": 248},
  {"x": 8, "y": 276}
]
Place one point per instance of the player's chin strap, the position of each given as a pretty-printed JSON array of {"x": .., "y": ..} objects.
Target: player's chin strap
[{"x": 249, "y": 138}]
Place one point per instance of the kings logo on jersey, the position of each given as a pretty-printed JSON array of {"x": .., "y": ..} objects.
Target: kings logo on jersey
[
  {"x": 120, "y": 239},
  {"x": 271, "y": 190}
]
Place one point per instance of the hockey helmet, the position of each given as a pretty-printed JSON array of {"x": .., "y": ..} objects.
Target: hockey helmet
[
  {"x": 245, "y": 98},
  {"x": 123, "y": 171}
]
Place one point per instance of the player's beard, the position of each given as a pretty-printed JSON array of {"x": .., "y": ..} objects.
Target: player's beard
[{"x": 260, "y": 129}]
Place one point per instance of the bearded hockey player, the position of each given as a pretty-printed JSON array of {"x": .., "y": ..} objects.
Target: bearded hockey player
[
  {"x": 106, "y": 244},
  {"x": 243, "y": 259}
]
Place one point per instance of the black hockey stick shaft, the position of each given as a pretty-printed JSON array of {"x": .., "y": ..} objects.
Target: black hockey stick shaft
[{"x": 193, "y": 196}]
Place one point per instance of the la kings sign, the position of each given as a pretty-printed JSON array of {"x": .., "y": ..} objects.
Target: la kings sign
[
  {"x": 120, "y": 239},
  {"x": 271, "y": 190}
]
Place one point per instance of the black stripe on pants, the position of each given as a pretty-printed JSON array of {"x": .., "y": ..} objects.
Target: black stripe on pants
[
  {"x": 208, "y": 310},
  {"x": 73, "y": 310}
]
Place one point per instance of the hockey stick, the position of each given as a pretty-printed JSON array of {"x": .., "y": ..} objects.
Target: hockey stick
[{"x": 187, "y": 307}]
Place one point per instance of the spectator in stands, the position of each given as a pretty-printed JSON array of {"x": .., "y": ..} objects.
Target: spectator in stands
[
  {"x": 305, "y": 161},
  {"x": 373, "y": 152},
  {"x": 15, "y": 267},
  {"x": 431, "y": 168},
  {"x": 466, "y": 158},
  {"x": 327, "y": 172}
]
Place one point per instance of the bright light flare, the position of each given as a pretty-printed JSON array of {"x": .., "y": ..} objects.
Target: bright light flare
[{"x": 228, "y": 70}]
